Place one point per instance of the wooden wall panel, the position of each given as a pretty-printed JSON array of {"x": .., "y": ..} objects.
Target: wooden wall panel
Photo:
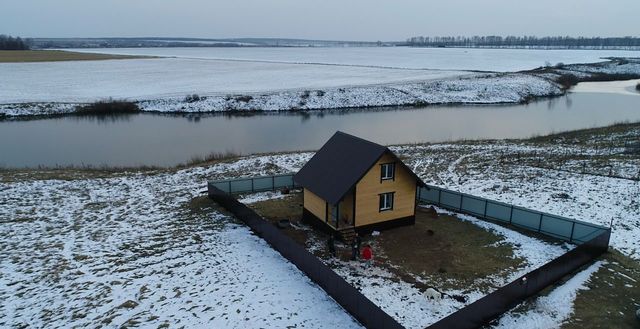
[
  {"x": 370, "y": 186},
  {"x": 314, "y": 204}
]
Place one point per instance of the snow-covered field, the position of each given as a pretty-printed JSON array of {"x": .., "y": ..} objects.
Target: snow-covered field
[
  {"x": 510, "y": 172},
  {"x": 131, "y": 250},
  {"x": 136, "y": 248},
  {"x": 140, "y": 79},
  {"x": 497, "y": 60},
  {"x": 273, "y": 79}
]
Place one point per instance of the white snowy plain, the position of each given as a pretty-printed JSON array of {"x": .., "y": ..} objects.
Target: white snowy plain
[
  {"x": 338, "y": 78},
  {"x": 127, "y": 248}
]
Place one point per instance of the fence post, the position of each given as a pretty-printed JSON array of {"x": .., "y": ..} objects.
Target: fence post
[
  {"x": 439, "y": 197},
  {"x": 540, "y": 223},
  {"x": 485, "y": 209},
  {"x": 229, "y": 187},
  {"x": 273, "y": 183},
  {"x": 252, "y": 188},
  {"x": 511, "y": 215},
  {"x": 461, "y": 198},
  {"x": 573, "y": 226}
]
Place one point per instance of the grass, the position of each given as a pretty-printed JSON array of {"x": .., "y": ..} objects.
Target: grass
[
  {"x": 457, "y": 254},
  {"x": 108, "y": 107},
  {"x": 612, "y": 298},
  {"x": 29, "y": 56},
  {"x": 439, "y": 248},
  {"x": 210, "y": 158}
]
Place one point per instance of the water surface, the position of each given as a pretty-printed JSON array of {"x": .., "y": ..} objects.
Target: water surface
[{"x": 166, "y": 140}]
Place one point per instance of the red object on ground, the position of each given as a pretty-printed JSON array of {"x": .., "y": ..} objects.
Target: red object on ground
[{"x": 367, "y": 254}]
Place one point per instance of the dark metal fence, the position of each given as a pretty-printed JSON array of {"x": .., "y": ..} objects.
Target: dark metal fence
[
  {"x": 491, "y": 306},
  {"x": 592, "y": 241},
  {"x": 255, "y": 184},
  {"x": 361, "y": 308},
  {"x": 571, "y": 230}
]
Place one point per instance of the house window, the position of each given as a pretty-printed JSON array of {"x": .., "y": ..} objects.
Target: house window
[
  {"x": 388, "y": 171},
  {"x": 386, "y": 201}
]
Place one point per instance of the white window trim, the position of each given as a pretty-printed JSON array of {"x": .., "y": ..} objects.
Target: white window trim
[
  {"x": 387, "y": 201},
  {"x": 388, "y": 168}
]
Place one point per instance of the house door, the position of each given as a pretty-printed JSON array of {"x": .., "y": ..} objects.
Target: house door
[{"x": 335, "y": 214}]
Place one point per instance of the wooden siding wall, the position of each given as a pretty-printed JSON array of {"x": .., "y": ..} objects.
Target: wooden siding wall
[
  {"x": 314, "y": 204},
  {"x": 370, "y": 186}
]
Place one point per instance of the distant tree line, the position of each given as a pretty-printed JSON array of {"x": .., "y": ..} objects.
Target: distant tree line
[
  {"x": 11, "y": 43},
  {"x": 526, "y": 42}
]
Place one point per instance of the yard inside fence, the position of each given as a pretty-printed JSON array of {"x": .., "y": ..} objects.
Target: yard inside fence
[{"x": 592, "y": 241}]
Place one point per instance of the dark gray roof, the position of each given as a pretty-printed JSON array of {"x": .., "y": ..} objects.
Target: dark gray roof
[{"x": 341, "y": 162}]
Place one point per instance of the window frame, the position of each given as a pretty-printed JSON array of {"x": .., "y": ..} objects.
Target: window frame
[
  {"x": 384, "y": 199},
  {"x": 383, "y": 172}
]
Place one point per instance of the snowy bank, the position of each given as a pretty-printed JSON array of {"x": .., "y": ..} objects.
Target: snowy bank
[
  {"x": 422, "y": 88},
  {"x": 474, "y": 89}
]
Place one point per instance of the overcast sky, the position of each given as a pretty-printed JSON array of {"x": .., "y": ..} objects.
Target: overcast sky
[{"x": 318, "y": 19}]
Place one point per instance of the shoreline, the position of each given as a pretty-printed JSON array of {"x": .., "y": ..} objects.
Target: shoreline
[{"x": 475, "y": 89}]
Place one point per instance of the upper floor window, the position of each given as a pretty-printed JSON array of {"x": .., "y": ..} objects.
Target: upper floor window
[{"x": 388, "y": 171}]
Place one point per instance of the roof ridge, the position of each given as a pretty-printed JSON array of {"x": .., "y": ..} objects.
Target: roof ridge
[{"x": 358, "y": 138}]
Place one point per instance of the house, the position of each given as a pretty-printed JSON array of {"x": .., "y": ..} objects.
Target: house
[{"x": 352, "y": 184}]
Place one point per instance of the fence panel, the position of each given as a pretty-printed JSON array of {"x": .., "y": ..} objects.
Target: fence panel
[
  {"x": 551, "y": 225},
  {"x": 556, "y": 226},
  {"x": 262, "y": 184},
  {"x": 430, "y": 195},
  {"x": 473, "y": 205},
  {"x": 240, "y": 186},
  {"x": 283, "y": 181},
  {"x": 526, "y": 218},
  {"x": 499, "y": 212},
  {"x": 222, "y": 185},
  {"x": 584, "y": 232},
  {"x": 450, "y": 199}
]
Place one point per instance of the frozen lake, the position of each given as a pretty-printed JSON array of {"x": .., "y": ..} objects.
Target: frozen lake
[
  {"x": 222, "y": 71},
  {"x": 499, "y": 60},
  {"x": 165, "y": 140}
]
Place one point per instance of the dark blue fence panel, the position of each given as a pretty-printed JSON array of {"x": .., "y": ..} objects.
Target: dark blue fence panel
[
  {"x": 473, "y": 205},
  {"x": 527, "y": 219},
  {"x": 239, "y": 186},
  {"x": 283, "y": 181},
  {"x": 499, "y": 212},
  {"x": 430, "y": 195},
  {"x": 262, "y": 184},
  {"x": 222, "y": 185},
  {"x": 584, "y": 232},
  {"x": 450, "y": 199},
  {"x": 551, "y": 225},
  {"x": 556, "y": 226}
]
